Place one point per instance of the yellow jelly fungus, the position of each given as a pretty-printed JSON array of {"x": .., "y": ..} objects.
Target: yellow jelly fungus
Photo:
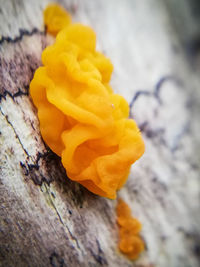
[
  {"x": 56, "y": 18},
  {"x": 81, "y": 119},
  {"x": 130, "y": 242}
]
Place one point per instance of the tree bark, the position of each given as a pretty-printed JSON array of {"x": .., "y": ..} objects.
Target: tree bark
[{"x": 48, "y": 220}]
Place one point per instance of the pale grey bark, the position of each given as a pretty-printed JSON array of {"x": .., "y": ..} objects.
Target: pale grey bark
[{"x": 48, "y": 220}]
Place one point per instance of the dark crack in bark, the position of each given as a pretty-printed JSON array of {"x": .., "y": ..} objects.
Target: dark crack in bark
[
  {"x": 60, "y": 218},
  {"x": 16, "y": 135},
  {"x": 156, "y": 92},
  {"x": 56, "y": 260},
  {"x": 22, "y": 33},
  {"x": 99, "y": 255},
  {"x": 159, "y": 132},
  {"x": 15, "y": 95},
  {"x": 42, "y": 169},
  {"x": 18, "y": 64}
]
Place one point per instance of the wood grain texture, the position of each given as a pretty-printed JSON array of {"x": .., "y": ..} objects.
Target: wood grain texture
[{"x": 48, "y": 220}]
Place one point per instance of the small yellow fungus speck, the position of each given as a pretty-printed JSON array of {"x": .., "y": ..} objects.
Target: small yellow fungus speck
[
  {"x": 81, "y": 119},
  {"x": 130, "y": 243},
  {"x": 56, "y": 18}
]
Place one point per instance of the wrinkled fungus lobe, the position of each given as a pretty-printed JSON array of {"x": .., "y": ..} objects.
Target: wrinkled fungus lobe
[
  {"x": 130, "y": 243},
  {"x": 81, "y": 119}
]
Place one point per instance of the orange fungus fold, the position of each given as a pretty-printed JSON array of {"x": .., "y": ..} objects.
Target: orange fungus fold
[
  {"x": 130, "y": 243},
  {"x": 81, "y": 119}
]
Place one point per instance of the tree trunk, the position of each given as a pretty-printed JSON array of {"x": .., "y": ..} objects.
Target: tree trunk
[{"x": 48, "y": 220}]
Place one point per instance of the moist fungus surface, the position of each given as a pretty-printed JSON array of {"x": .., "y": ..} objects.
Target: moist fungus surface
[
  {"x": 130, "y": 243},
  {"x": 81, "y": 119}
]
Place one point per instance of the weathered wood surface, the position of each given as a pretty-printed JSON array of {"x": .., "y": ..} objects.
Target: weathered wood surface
[{"x": 47, "y": 220}]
